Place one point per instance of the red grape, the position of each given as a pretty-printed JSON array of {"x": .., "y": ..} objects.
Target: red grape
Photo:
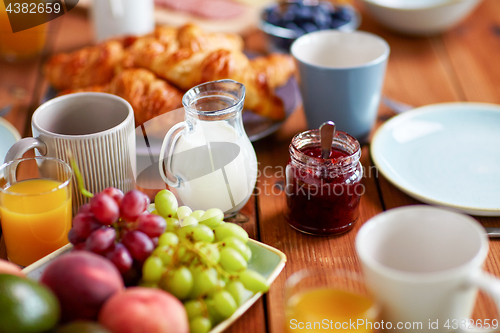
[
  {"x": 133, "y": 204},
  {"x": 147, "y": 201},
  {"x": 101, "y": 240},
  {"x": 139, "y": 244},
  {"x": 121, "y": 257},
  {"x": 104, "y": 208},
  {"x": 152, "y": 225},
  {"x": 84, "y": 209},
  {"x": 114, "y": 193},
  {"x": 155, "y": 241},
  {"x": 74, "y": 238},
  {"x": 79, "y": 247},
  {"x": 84, "y": 224}
]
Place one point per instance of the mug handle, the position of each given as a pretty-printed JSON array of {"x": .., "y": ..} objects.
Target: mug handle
[
  {"x": 22, "y": 146},
  {"x": 491, "y": 285},
  {"x": 168, "y": 145}
]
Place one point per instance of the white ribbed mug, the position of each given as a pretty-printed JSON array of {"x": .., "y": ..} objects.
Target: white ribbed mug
[{"x": 96, "y": 128}]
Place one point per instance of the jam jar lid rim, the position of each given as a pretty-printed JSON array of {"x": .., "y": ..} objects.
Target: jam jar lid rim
[{"x": 355, "y": 154}]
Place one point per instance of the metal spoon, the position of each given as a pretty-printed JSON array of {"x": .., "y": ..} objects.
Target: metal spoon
[
  {"x": 326, "y": 132},
  {"x": 493, "y": 232}
]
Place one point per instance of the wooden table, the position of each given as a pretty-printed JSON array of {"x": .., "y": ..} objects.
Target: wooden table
[{"x": 461, "y": 65}]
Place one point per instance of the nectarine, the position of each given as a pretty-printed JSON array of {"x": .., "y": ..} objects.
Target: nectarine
[
  {"x": 139, "y": 310},
  {"x": 6, "y": 267},
  {"x": 82, "y": 281}
]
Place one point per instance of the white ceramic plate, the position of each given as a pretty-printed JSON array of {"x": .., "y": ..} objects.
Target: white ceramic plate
[
  {"x": 444, "y": 154},
  {"x": 8, "y": 136},
  {"x": 266, "y": 260}
]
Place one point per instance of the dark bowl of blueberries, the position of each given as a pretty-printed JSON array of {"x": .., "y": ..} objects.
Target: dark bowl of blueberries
[{"x": 284, "y": 22}]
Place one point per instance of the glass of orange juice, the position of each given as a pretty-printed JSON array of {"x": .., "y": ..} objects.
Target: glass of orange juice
[
  {"x": 325, "y": 299},
  {"x": 35, "y": 207},
  {"x": 21, "y": 45}
]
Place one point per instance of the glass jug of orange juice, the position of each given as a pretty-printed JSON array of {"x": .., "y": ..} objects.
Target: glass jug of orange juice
[
  {"x": 23, "y": 44},
  {"x": 35, "y": 207}
]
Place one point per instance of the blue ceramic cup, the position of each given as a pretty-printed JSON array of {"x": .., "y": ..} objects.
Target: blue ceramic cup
[{"x": 341, "y": 78}]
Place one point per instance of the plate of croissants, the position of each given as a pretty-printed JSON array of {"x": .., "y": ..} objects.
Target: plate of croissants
[{"x": 153, "y": 71}]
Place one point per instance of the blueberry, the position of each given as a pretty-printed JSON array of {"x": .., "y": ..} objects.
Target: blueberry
[
  {"x": 325, "y": 7},
  {"x": 323, "y": 19},
  {"x": 272, "y": 17},
  {"x": 310, "y": 27},
  {"x": 304, "y": 14},
  {"x": 342, "y": 13}
]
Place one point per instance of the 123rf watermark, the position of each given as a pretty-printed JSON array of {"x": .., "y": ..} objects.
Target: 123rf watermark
[{"x": 363, "y": 324}]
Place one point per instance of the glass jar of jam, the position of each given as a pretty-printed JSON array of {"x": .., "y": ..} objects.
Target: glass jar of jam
[{"x": 323, "y": 194}]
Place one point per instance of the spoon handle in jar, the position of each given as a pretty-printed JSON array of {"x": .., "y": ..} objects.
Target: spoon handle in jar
[{"x": 326, "y": 132}]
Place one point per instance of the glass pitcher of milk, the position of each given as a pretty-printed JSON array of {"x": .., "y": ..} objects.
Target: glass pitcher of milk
[{"x": 207, "y": 160}]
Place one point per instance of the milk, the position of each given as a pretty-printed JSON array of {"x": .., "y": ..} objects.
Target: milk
[{"x": 216, "y": 164}]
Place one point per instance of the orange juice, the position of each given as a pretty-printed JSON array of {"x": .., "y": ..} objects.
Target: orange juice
[
  {"x": 22, "y": 44},
  {"x": 323, "y": 309},
  {"x": 36, "y": 218}
]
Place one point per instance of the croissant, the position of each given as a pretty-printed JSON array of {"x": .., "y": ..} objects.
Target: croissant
[
  {"x": 94, "y": 65},
  {"x": 185, "y": 69},
  {"x": 277, "y": 68},
  {"x": 148, "y": 95}
]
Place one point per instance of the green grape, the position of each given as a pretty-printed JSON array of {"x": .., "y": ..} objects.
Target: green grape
[
  {"x": 186, "y": 233},
  {"x": 238, "y": 291},
  {"x": 165, "y": 203},
  {"x": 202, "y": 233},
  {"x": 205, "y": 282},
  {"x": 189, "y": 221},
  {"x": 184, "y": 255},
  {"x": 194, "y": 308},
  {"x": 200, "y": 325},
  {"x": 179, "y": 282},
  {"x": 212, "y": 217},
  {"x": 238, "y": 245},
  {"x": 197, "y": 214},
  {"x": 168, "y": 238},
  {"x": 173, "y": 224},
  {"x": 248, "y": 254},
  {"x": 152, "y": 269},
  {"x": 165, "y": 253},
  {"x": 221, "y": 283},
  {"x": 231, "y": 260},
  {"x": 215, "y": 316},
  {"x": 253, "y": 281},
  {"x": 224, "y": 303},
  {"x": 155, "y": 212},
  {"x": 211, "y": 251},
  {"x": 183, "y": 212},
  {"x": 229, "y": 229}
]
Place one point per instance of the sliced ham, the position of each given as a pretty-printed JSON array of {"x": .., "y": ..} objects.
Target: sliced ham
[{"x": 211, "y": 9}]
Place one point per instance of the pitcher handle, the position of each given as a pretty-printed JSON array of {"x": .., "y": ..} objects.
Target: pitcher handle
[
  {"x": 490, "y": 285},
  {"x": 168, "y": 146},
  {"x": 22, "y": 146}
]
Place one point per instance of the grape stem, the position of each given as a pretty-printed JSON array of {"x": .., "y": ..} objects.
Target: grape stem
[
  {"x": 79, "y": 179},
  {"x": 208, "y": 262}
]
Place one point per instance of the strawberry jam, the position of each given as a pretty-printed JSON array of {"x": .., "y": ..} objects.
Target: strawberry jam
[{"x": 323, "y": 194}]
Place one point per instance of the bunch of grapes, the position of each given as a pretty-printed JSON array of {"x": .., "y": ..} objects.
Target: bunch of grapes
[
  {"x": 117, "y": 226},
  {"x": 203, "y": 262}
]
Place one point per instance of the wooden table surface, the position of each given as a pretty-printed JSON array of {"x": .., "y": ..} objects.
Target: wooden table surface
[{"x": 460, "y": 65}]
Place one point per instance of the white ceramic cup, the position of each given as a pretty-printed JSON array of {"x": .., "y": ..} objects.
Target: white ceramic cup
[
  {"x": 424, "y": 264},
  {"x": 96, "y": 128},
  {"x": 113, "y": 18},
  {"x": 341, "y": 78}
]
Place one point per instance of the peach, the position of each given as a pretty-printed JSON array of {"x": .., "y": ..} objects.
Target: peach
[
  {"x": 139, "y": 309},
  {"x": 82, "y": 281},
  {"x": 6, "y": 267}
]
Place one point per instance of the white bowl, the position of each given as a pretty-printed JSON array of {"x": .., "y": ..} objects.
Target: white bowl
[{"x": 419, "y": 17}]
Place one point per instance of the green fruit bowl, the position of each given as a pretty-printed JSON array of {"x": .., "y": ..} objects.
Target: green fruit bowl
[{"x": 266, "y": 260}]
